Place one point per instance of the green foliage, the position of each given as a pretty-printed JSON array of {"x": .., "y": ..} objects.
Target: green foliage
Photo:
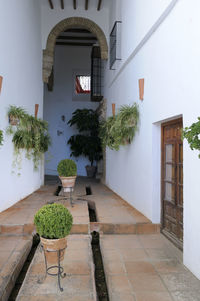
[
  {"x": 120, "y": 129},
  {"x": 1, "y": 137},
  {"x": 53, "y": 221},
  {"x": 30, "y": 134},
  {"x": 85, "y": 120},
  {"x": 88, "y": 143},
  {"x": 67, "y": 168},
  {"x": 16, "y": 112},
  {"x": 192, "y": 134}
]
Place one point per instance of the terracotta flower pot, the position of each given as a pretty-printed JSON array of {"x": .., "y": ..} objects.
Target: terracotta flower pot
[
  {"x": 50, "y": 245},
  {"x": 68, "y": 183},
  {"x": 91, "y": 171}
]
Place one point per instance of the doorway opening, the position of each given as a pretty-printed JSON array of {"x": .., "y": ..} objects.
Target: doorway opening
[{"x": 172, "y": 181}]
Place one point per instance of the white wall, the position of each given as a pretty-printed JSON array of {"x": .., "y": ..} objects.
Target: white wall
[
  {"x": 51, "y": 17},
  {"x": 170, "y": 63},
  {"x": 60, "y": 102},
  {"x": 21, "y": 68}
]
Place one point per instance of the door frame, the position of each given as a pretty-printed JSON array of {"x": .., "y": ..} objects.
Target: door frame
[{"x": 175, "y": 241}]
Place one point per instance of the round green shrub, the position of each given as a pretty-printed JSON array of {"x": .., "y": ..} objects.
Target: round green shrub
[
  {"x": 67, "y": 168},
  {"x": 53, "y": 221}
]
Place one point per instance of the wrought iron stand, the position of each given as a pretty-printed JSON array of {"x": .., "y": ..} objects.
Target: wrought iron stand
[{"x": 60, "y": 271}]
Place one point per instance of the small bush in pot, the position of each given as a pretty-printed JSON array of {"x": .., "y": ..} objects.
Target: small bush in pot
[
  {"x": 53, "y": 223},
  {"x": 67, "y": 171}
]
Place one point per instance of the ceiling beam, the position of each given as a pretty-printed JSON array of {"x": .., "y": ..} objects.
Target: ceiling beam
[
  {"x": 74, "y": 4},
  {"x": 86, "y": 4},
  {"x": 99, "y": 5},
  {"x": 51, "y": 4},
  {"x": 77, "y": 38},
  {"x": 62, "y": 4},
  {"x": 78, "y": 30},
  {"x": 74, "y": 44}
]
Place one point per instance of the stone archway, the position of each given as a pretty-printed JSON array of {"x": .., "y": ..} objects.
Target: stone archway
[{"x": 48, "y": 53}]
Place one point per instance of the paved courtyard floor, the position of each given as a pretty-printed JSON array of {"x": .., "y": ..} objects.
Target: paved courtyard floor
[{"x": 140, "y": 264}]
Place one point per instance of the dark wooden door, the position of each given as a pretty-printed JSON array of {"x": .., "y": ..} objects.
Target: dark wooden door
[{"x": 172, "y": 181}]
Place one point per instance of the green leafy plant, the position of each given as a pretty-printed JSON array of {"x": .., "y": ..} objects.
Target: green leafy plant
[
  {"x": 192, "y": 134},
  {"x": 1, "y": 137},
  {"x": 16, "y": 112},
  {"x": 88, "y": 143},
  {"x": 53, "y": 221},
  {"x": 67, "y": 168},
  {"x": 120, "y": 129},
  {"x": 29, "y": 134}
]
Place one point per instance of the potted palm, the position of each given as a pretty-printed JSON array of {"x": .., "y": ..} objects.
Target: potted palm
[
  {"x": 87, "y": 143},
  {"x": 67, "y": 171},
  {"x": 53, "y": 223}
]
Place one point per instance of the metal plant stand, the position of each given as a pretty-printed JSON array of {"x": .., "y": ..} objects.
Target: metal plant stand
[{"x": 60, "y": 271}]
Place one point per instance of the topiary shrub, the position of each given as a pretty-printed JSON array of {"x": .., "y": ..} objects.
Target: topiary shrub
[
  {"x": 67, "y": 168},
  {"x": 53, "y": 221}
]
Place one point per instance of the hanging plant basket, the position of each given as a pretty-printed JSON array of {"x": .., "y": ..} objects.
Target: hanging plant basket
[{"x": 13, "y": 120}]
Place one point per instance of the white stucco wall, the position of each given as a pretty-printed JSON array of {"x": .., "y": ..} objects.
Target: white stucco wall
[
  {"x": 170, "y": 64},
  {"x": 21, "y": 68},
  {"x": 60, "y": 103},
  {"x": 51, "y": 17}
]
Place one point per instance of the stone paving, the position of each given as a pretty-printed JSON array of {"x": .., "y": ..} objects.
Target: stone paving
[
  {"x": 78, "y": 284},
  {"x": 13, "y": 253},
  {"x": 139, "y": 265},
  {"x": 146, "y": 268}
]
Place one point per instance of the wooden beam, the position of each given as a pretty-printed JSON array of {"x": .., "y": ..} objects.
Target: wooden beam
[
  {"x": 74, "y": 44},
  {"x": 77, "y": 38},
  {"x": 62, "y": 4},
  {"x": 86, "y": 4},
  {"x": 99, "y": 5},
  {"x": 74, "y": 4},
  {"x": 51, "y": 4},
  {"x": 77, "y": 30}
]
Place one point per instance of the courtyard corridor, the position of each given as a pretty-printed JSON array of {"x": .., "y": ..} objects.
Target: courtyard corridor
[{"x": 140, "y": 264}]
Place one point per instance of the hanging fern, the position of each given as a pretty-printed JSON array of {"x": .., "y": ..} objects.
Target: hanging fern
[
  {"x": 192, "y": 134},
  {"x": 120, "y": 129},
  {"x": 1, "y": 137},
  {"x": 30, "y": 134}
]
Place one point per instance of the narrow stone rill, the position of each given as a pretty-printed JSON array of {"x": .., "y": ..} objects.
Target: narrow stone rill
[
  {"x": 100, "y": 279},
  {"x": 88, "y": 190},
  {"x": 58, "y": 190},
  {"x": 21, "y": 277}
]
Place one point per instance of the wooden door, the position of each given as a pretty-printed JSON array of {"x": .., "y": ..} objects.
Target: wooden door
[{"x": 172, "y": 181}]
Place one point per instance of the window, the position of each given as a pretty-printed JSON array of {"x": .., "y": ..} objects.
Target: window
[
  {"x": 81, "y": 90},
  {"x": 115, "y": 49},
  {"x": 83, "y": 84}
]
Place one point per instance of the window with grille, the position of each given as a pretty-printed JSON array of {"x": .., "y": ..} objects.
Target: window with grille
[{"x": 115, "y": 44}]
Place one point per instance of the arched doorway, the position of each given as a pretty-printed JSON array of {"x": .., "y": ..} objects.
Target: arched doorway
[
  {"x": 48, "y": 53},
  {"x": 61, "y": 102}
]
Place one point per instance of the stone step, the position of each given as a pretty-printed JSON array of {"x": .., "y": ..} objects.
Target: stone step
[
  {"x": 13, "y": 253},
  {"x": 140, "y": 228}
]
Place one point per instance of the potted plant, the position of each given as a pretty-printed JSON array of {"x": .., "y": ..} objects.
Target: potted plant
[
  {"x": 67, "y": 171},
  {"x": 53, "y": 223},
  {"x": 29, "y": 134},
  {"x": 15, "y": 114},
  {"x": 120, "y": 129},
  {"x": 87, "y": 143}
]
